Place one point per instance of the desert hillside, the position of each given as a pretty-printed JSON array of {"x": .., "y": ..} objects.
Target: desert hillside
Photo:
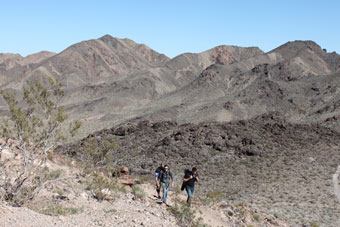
[{"x": 263, "y": 129}]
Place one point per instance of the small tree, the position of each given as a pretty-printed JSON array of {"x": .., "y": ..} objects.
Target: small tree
[{"x": 35, "y": 123}]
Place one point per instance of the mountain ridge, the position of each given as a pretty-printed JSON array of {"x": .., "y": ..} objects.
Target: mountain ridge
[{"x": 121, "y": 80}]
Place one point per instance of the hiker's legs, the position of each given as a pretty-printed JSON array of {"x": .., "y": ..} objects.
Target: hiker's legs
[
  {"x": 158, "y": 189},
  {"x": 165, "y": 191},
  {"x": 190, "y": 190}
]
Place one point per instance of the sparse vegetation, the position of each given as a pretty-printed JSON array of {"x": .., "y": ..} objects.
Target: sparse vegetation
[
  {"x": 55, "y": 174},
  {"x": 101, "y": 187},
  {"x": 256, "y": 216},
  {"x": 98, "y": 154},
  {"x": 36, "y": 125},
  {"x": 59, "y": 191},
  {"x": 59, "y": 210},
  {"x": 314, "y": 224},
  {"x": 185, "y": 215},
  {"x": 138, "y": 191}
]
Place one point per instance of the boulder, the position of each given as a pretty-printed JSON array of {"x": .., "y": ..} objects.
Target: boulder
[
  {"x": 124, "y": 170},
  {"x": 126, "y": 180}
]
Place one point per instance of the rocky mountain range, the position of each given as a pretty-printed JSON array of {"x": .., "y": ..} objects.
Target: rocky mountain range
[
  {"x": 268, "y": 121},
  {"x": 110, "y": 81}
]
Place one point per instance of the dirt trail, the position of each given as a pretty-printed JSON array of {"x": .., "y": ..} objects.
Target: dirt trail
[
  {"x": 211, "y": 217},
  {"x": 124, "y": 210}
]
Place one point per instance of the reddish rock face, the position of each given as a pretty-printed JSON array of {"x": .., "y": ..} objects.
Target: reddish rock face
[
  {"x": 124, "y": 170},
  {"x": 125, "y": 178},
  {"x": 222, "y": 56}
]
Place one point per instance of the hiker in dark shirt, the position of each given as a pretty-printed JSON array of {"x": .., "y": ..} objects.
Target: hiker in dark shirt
[
  {"x": 190, "y": 178},
  {"x": 166, "y": 178},
  {"x": 157, "y": 176}
]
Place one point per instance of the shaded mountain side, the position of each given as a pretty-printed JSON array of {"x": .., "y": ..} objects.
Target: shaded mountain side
[
  {"x": 266, "y": 161},
  {"x": 225, "y": 93}
]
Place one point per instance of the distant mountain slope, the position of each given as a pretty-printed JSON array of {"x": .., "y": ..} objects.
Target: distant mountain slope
[
  {"x": 296, "y": 84},
  {"x": 112, "y": 81},
  {"x": 9, "y": 61},
  {"x": 13, "y": 66}
]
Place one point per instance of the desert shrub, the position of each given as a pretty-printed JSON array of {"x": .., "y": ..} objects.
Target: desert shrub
[
  {"x": 55, "y": 174},
  {"x": 36, "y": 124},
  {"x": 110, "y": 211},
  {"x": 123, "y": 189},
  {"x": 138, "y": 191},
  {"x": 146, "y": 179},
  {"x": 212, "y": 197},
  {"x": 59, "y": 191},
  {"x": 101, "y": 187},
  {"x": 185, "y": 214},
  {"x": 256, "y": 217},
  {"x": 277, "y": 215},
  {"x": 314, "y": 224},
  {"x": 98, "y": 153},
  {"x": 59, "y": 210}
]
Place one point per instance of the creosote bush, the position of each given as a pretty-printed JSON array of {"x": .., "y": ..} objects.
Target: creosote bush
[
  {"x": 98, "y": 155},
  {"x": 35, "y": 123},
  {"x": 138, "y": 191},
  {"x": 101, "y": 187},
  {"x": 59, "y": 210}
]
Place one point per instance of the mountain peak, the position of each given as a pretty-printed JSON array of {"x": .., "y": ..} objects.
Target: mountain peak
[
  {"x": 300, "y": 48},
  {"x": 293, "y": 48}
]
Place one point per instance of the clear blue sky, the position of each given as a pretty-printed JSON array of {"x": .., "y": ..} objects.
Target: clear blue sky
[{"x": 170, "y": 27}]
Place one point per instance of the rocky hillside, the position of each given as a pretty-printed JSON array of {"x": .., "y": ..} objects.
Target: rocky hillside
[
  {"x": 274, "y": 165},
  {"x": 263, "y": 128},
  {"x": 72, "y": 198}
]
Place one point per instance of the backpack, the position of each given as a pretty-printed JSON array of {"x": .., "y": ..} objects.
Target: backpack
[
  {"x": 158, "y": 172},
  {"x": 187, "y": 173}
]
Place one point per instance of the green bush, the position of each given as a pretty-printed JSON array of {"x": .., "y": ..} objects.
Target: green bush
[
  {"x": 138, "y": 191},
  {"x": 37, "y": 122},
  {"x": 55, "y": 174},
  {"x": 99, "y": 185},
  {"x": 314, "y": 224},
  {"x": 98, "y": 153},
  {"x": 59, "y": 191},
  {"x": 59, "y": 210},
  {"x": 256, "y": 217}
]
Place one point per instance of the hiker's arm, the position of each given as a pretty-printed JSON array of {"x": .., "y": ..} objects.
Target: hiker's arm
[
  {"x": 197, "y": 178},
  {"x": 187, "y": 179}
]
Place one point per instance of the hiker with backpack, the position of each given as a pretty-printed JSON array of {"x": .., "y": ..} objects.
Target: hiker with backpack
[
  {"x": 190, "y": 177},
  {"x": 166, "y": 178},
  {"x": 157, "y": 177}
]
